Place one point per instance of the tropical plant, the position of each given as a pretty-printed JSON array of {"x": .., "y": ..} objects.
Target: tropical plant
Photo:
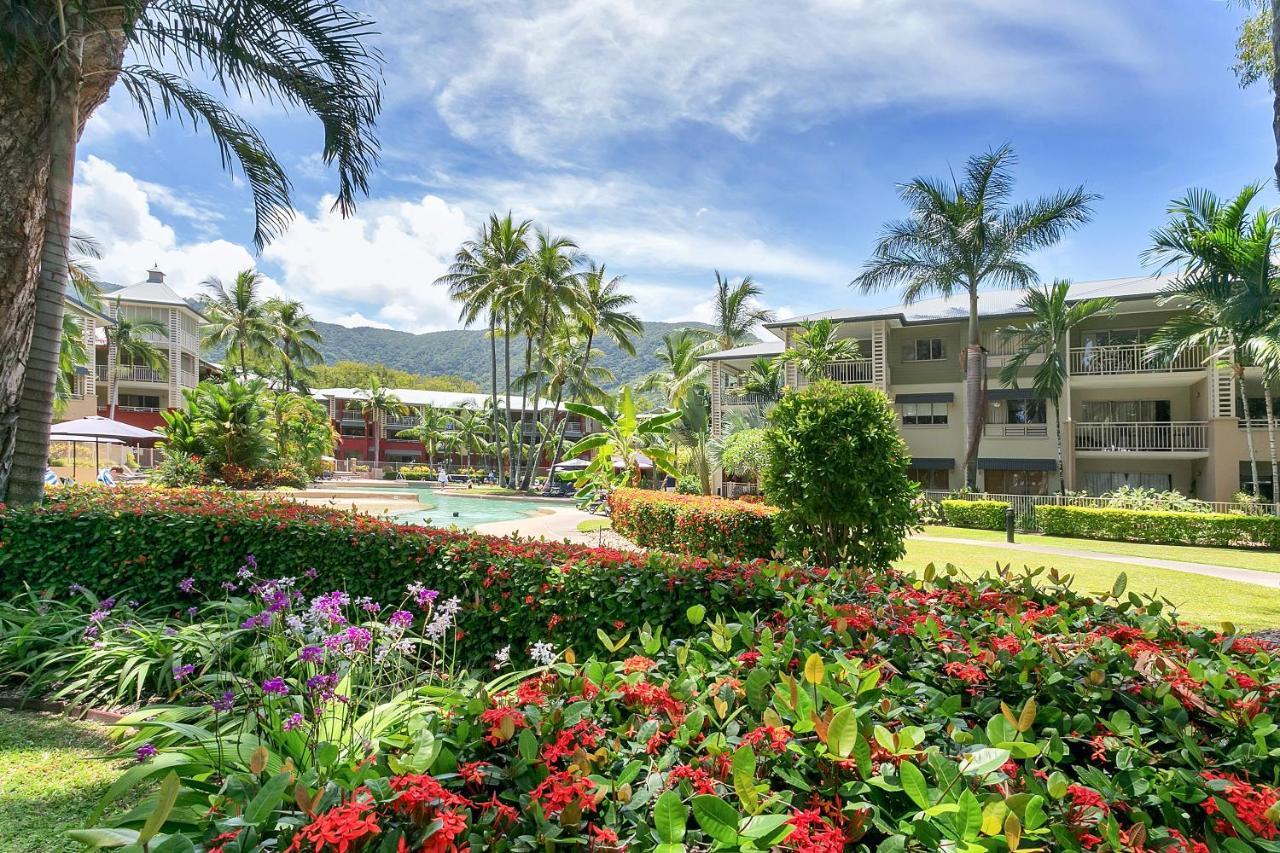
[
  {"x": 296, "y": 341},
  {"x": 73, "y": 352},
  {"x": 378, "y": 402},
  {"x": 233, "y": 424},
  {"x": 965, "y": 235},
  {"x": 681, "y": 372},
  {"x": 736, "y": 311},
  {"x": 432, "y": 429},
  {"x": 741, "y": 453},
  {"x": 624, "y": 436},
  {"x": 1046, "y": 335},
  {"x": 127, "y": 347},
  {"x": 470, "y": 432},
  {"x": 179, "y": 433},
  {"x": 62, "y": 62},
  {"x": 304, "y": 433},
  {"x": 1227, "y": 290},
  {"x": 762, "y": 378},
  {"x": 239, "y": 319},
  {"x": 692, "y": 431},
  {"x": 817, "y": 347}
]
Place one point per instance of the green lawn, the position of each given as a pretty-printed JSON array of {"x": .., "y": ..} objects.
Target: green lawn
[
  {"x": 1263, "y": 561},
  {"x": 592, "y": 525},
  {"x": 50, "y": 779},
  {"x": 1200, "y": 599}
]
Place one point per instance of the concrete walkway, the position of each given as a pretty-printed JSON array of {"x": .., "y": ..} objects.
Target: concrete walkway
[
  {"x": 557, "y": 523},
  {"x": 1267, "y": 579}
]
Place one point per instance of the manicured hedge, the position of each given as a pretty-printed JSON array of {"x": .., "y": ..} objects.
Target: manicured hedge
[
  {"x": 695, "y": 524},
  {"x": 986, "y": 515},
  {"x": 513, "y": 592},
  {"x": 1164, "y": 528}
]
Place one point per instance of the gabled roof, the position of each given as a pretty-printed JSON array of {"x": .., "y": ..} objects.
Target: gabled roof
[
  {"x": 75, "y": 302},
  {"x": 993, "y": 303}
]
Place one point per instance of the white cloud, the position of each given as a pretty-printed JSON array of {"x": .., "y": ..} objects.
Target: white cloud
[
  {"x": 356, "y": 320},
  {"x": 546, "y": 76}
]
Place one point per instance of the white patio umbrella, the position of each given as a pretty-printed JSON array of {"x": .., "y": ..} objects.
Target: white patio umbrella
[
  {"x": 98, "y": 429},
  {"x": 79, "y": 439}
]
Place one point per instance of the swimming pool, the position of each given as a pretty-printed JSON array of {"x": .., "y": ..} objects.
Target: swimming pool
[{"x": 439, "y": 510}]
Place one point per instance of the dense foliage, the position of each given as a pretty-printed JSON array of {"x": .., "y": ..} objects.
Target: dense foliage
[
  {"x": 985, "y": 515},
  {"x": 837, "y": 472},
  {"x": 1165, "y": 528},
  {"x": 694, "y": 524},
  {"x": 870, "y": 712},
  {"x": 355, "y": 374},
  {"x": 513, "y": 591}
]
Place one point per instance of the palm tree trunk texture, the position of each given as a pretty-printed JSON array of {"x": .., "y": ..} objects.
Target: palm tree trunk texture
[
  {"x": 537, "y": 395},
  {"x": 1268, "y": 400},
  {"x": 1248, "y": 429},
  {"x": 582, "y": 376},
  {"x": 45, "y": 114},
  {"x": 524, "y": 407},
  {"x": 511, "y": 446},
  {"x": 1275, "y": 85},
  {"x": 493, "y": 387},
  {"x": 1057, "y": 425},
  {"x": 975, "y": 369}
]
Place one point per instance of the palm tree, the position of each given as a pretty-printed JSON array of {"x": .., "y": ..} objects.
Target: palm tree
[
  {"x": 623, "y": 435},
  {"x": 737, "y": 311},
  {"x": 484, "y": 275},
  {"x": 238, "y": 319},
  {"x": 680, "y": 372},
  {"x": 962, "y": 236},
  {"x": 1227, "y": 288},
  {"x": 469, "y": 432},
  {"x": 432, "y": 430},
  {"x": 378, "y": 402},
  {"x": 62, "y": 61},
  {"x": 693, "y": 430},
  {"x": 762, "y": 378},
  {"x": 126, "y": 339},
  {"x": 562, "y": 367},
  {"x": 297, "y": 341},
  {"x": 232, "y": 423},
  {"x": 817, "y": 347},
  {"x": 72, "y": 350},
  {"x": 1047, "y": 333}
]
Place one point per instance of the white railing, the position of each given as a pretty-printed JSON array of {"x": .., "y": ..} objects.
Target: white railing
[
  {"x": 1130, "y": 358},
  {"x": 856, "y": 371},
  {"x": 139, "y": 373},
  {"x": 1016, "y": 430},
  {"x": 735, "y": 490},
  {"x": 994, "y": 344},
  {"x": 190, "y": 379},
  {"x": 1142, "y": 437},
  {"x": 138, "y": 409},
  {"x": 101, "y": 371}
]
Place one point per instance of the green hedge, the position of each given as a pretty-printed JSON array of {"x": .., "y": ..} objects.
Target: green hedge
[
  {"x": 142, "y": 543},
  {"x": 1162, "y": 528},
  {"x": 696, "y": 524},
  {"x": 986, "y": 515}
]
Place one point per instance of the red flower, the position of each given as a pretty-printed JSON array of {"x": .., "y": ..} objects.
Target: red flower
[
  {"x": 813, "y": 834},
  {"x": 495, "y": 717},
  {"x": 342, "y": 828},
  {"x": 637, "y": 663},
  {"x": 561, "y": 790},
  {"x": 1250, "y": 802}
]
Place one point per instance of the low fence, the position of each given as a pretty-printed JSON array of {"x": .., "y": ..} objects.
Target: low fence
[{"x": 1024, "y": 506}]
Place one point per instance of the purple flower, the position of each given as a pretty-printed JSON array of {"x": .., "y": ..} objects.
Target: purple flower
[
  {"x": 99, "y": 616},
  {"x": 251, "y": 562},
  {"x": 107, "y": 604},
  {"x": 182, "y": 671},
  {"x": 170, "y": 631},
  {"x": 144, "y": 752},
  {"x": 192, "y": 611},
  {"x": 229, "y": 586},
  {"x": 328, "y": 607},
  {"x": 259, "y": 620},
  {"x": 225, "y": 702},
  {"x": 91, "y": 632},
  {"x": 322, "y": 684},
  {"x": 311, "y": 654},
  {"x": 422, "y": 595},
  {"x": 275, "y": 686},
  {"x": 292, "y": 722},
  {"x": 76, "y": 589},
  {"x": 187, "y": 585},
  {"x": 311, "y": 574},
  {"x": 401, "y": 619}
]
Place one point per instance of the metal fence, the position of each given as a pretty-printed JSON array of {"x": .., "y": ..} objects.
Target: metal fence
[{"x": 1024, "y": 506}]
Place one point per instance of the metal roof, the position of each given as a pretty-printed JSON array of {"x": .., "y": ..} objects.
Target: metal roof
[{"x": 764, "y": 348}]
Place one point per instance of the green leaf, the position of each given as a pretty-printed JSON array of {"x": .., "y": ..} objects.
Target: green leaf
[
  {"x": 744, "y": 778},
  {"x": 842, "y": 733},
  {"x": 716, "y": 817},
  {"x": 176, "y": 843},
  {"x": 670, "y": 815},
  {"x": 103, "y": 837},
  {"x": 265, "y": 802},
  {"x": 696, "y": 613},
  {"x": 528, "y": 745},
  {"x": 765, "y": 825},
  {"x": 913, "y": 784},
  {"x": 969, "y": 817},
  {"x": 1117, "y": 589},
  {"x": 165, "y": 798},
  {"x": 980, "y": 762}
]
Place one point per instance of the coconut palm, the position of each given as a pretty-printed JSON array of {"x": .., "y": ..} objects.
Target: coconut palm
[
  {"x": 817, "y": 347},
  {"x": 568, "y": 372},
  {"x": 485, "y": 274},
  {"x": 964, "y": 235},
  {"x": 238, "y": 319},
  {"x": 62, "y": 60},
  {"x": 762, "y": 378},
  {"x": 737, "y": 311},
  {"x": 470, "y": 432},
  {"x": 601, "y": 311},
  {"x": 680, "y": 371},
  {"x": 378, "y": 402},
  {"x": 1226, "y": 288},
  {"x": 433, "y": 429},
  {"x": 1046, "y": 334},
  {"x": 127, "y": 346},
  {"x": 296, "y": 340}
]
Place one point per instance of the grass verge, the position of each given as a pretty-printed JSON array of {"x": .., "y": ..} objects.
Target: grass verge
[
  {"x": 593, "y": 525},
  {"x": 1199, "y": 599}
]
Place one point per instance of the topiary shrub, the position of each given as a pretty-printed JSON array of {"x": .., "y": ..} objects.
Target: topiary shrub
[
  {"x": 837, "y": 472},
  {"x": 1163, "y": 528},
  {"x": 695, "y": 524},
  {"x": 984, "y": 515}
]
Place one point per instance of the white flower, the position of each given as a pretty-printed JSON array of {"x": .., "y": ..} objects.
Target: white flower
[
  {"x": 503, "y": 657},
  {"x": 543, "y": 654}
]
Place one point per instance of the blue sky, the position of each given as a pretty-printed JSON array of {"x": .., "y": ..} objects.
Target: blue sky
[{"x": 673, "y": 138}]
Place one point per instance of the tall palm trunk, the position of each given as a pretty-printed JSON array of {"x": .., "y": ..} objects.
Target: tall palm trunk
[
  {"x": 582, "y": 376},
  {"x": 113, "y": 371},
  {"x": 511, "y": 446},
  {"x": 537, "y": 395},
  {"x": 1057, "y": 425},
  {"x": 1269, "y": 401},
  {"x": 493, "y": 387},
  {"x": 975, "y": 369},
  {"x": 524, "y": 408},
  {"x": 1248, "y": 426}
]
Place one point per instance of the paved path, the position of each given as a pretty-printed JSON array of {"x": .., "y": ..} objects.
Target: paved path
[
  {"x": 1268, "y": 579},
  {"x": 558, "y": 523}
]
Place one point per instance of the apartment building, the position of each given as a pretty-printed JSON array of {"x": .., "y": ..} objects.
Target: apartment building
[
  {"x": 356, "y": 428},
  {"x": 84, "y": 392},
  {"x": 144, "y": 392},
  {"x": 1127, "y": 420}
]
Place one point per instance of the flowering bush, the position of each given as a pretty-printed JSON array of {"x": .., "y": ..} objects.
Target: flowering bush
[
  {"x": 696, "y": 524},
  {"x": 1168, "y": 528},
  {"x": 985, "y": 515},
  {"x": 878, "y": 712},
  {"x": 512, "y": 591}
]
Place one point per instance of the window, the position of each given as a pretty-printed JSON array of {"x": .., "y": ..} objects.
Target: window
[
  {"x": 1117, "y": 337},
  {"x": 1101, "y": 482},
  {"x": 936, "y": 479},
  {"x": 1016, "y": 482},
  {"x": 352, "y": 430},
  {"x": 924, "y": 414},
  {"x": 1126, "y": 411},
  {"x": 1265, "y": 487},
  {"x": 1026, "y": 411},
  {"x": 925, "y": 349}
]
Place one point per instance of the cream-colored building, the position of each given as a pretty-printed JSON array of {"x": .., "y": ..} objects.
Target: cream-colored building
[
  {"x": 1127, "y": 420},
  {"x": 84, "y": 391}
]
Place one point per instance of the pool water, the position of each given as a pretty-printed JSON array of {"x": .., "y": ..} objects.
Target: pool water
[{"x": 452, "y": 511}]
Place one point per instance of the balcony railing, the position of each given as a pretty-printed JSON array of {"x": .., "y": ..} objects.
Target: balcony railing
[
  {"x": 101, "y": 371},
  {"x": 131, "y": 373},
  {"x": 728, "y": 398},
  {"x": 190, "y": 379},
  {"x": 996, "y": 345},
  {"x": 854, "y": 372},
  {"x": 1016, "y": 430},
  {"x": 1143, "y": 437},
  {"x": 1130, "y": 358}
]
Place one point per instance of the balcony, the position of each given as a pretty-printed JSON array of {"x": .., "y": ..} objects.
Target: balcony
[
  {"x": 728, "y": 399},
  {"x": 1130, "y": 359},
  {"x": 1016, "y": 430},
  {"x": 131, "y": 373},
  {"x": 856, "y": 371},
  {"x": 1176, "y": 437}
]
